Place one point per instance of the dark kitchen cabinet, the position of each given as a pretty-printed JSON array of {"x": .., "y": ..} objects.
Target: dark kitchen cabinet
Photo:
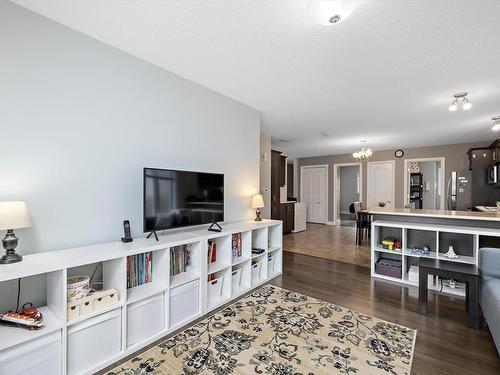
[
  {"x": 280, "y": 211},
  {"x": 289, "y": 222},
  {"x": 282, "y": 171}
]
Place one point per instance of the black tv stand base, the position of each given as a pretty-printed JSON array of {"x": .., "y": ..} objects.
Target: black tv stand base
[
  {"x": 151, "y": 233},
  {"x": 212, "y": 229}
]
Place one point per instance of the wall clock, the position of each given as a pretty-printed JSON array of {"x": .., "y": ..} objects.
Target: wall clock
[{"x": 399, "y": 153}]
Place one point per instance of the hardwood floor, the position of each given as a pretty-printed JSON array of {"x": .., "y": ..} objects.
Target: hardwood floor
[
  {"x": 329, "y": 242},
  {"x": 445, "y": 345}
]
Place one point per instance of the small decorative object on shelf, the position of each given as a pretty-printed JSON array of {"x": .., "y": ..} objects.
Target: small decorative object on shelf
[
  {"x": 28, "y": 317},
  {"x": 391, "y": 244},
  {"x": 257, "y": 203},
  {"x": 498, "y": 206},
  {"x": 381, "y": 204},
  {"x": 451, "y": 253},
  {"x": 421, "y": 251}
]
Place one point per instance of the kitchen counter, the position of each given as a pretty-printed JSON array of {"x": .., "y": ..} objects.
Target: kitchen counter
[{"x": 438, "y": 214}]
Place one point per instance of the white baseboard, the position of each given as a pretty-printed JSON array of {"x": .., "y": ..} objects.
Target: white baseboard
[{"x": 330, "y": 223}]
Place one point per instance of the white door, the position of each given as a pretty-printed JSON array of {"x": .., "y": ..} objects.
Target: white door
[
  {"x": 380, "y": 183},
  {"x": 313, "y": 193}
]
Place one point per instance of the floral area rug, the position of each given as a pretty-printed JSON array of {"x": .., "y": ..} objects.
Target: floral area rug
[{"x": 275, "y": 331}]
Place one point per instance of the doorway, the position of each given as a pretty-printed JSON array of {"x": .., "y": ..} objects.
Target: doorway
[
  {"x": 424, "y": 183},
  {"x": 381, "y": 184},
  {"x": 314, "y": 192},
  {"x": 348, "y": 184}
]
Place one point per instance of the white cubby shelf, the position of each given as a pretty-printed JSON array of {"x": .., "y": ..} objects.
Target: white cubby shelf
[
  {"x": 465, "y": 242},
  {"x": 172, "y": 299}
]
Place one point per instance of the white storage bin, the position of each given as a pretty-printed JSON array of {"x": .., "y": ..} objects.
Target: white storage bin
[
  {"x": 86, "y": 306},
  {"x": 42, "y": 356},
  {"x": 271, "y": 261},
  {"x": 145, "y": 318},
  {"x": 112, "y": 297},
  {"x": 256, "y": 268},
  {"x": 215, "y": 289},
  {"x": 100, "y": 301},
  {"x": 236, "y": 279},
  {"x": 73, "y": 310},
  {"x": 94, "y": 341},
  {"x": 184, "y": 303}
]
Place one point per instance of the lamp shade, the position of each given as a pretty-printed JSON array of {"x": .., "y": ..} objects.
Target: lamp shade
[
  {"x": 14, "y": 215},
  {"x": 257, "y": 201}
]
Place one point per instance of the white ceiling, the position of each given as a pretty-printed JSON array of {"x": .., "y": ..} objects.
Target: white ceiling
[{"x": 386, "y": 74}]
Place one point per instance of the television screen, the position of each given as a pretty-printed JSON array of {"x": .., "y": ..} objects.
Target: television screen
[{"x": 175, "y": 199}]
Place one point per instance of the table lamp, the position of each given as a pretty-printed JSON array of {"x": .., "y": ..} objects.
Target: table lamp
[
  {"x": 13, "y": 215},
  {"x": 257, "y": 203}
]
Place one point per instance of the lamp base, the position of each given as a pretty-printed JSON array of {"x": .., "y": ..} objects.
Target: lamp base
[
  {"x": 9, "y": 244},
  {"x": 257, "y": 213},
  {"x": 11, "y": 257}
]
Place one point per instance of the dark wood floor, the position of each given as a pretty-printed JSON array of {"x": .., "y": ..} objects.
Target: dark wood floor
[{"x": 445, "y": 345}]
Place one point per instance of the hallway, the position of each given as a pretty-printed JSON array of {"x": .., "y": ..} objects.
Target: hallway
[{"x": 329, "y": 242}]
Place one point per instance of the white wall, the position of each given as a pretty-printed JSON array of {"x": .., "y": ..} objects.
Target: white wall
[
  {"x": 265, "y": 174},
  {"x": 79, "y": 120}
]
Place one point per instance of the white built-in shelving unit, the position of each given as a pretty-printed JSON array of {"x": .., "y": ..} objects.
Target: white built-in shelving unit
[
  {"x": 142, "y": 314},
  {"x": 465, "y": 240}
]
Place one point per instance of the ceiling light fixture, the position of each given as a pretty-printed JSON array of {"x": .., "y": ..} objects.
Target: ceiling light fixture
[
  {"x": 364, "y": 154},
  {"x": 496, "y": 123},
  {"x": 286, "y": 140},
  {"x": 331, "y": 12},
  {"x": 460, "y": 99}
]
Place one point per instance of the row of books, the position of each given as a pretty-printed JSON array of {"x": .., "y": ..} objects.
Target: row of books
[
  {"x": 180, "y": 259},
  {"x": 236, "y": 245},
  {"x": 139, "y": 269}
]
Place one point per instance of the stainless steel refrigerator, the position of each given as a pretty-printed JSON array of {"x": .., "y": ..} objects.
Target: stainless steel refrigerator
[{"x": 458, "y": 192}]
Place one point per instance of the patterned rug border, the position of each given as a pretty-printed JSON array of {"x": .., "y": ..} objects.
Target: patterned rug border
[{"x": 241, "y": 298}]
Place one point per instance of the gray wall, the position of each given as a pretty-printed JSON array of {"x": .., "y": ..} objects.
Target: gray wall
[
  {"x": 265, "y": 174},
  {"x": 80, "y": 119},
  {"x": 348, "y": 185},
  {"x": 456, "y": 160}
]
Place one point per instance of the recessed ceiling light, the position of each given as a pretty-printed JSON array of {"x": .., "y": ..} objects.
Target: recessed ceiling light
[
  {"x": 286, "y": 140},
  {"x": 496, "y": 123},
  {"x": 331, "y": 12}
]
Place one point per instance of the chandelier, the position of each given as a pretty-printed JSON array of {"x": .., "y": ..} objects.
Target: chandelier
[
  {"x": 364, "y": 154},
  {"x": 460, "y": 99}
]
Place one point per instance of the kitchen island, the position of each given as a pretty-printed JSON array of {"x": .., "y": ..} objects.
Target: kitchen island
[{"x": 401, "y": 236}]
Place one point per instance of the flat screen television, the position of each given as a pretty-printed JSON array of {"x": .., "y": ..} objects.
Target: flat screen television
[{"x": 174, "y": 199}]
